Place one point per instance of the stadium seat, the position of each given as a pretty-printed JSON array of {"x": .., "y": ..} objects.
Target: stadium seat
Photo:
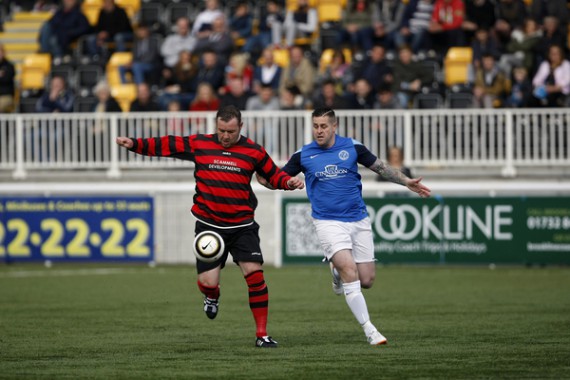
[
  {"x": 281, "y": 57},
  {"x": 291, "y": 5},
  {"x": 28, "y": 105},
  {"x": 91, "y": 10},
  {"x": 428, "y": 101},
  {"x": 116, "y": 60},
  {"x": 65, "y": 71},
  {"x": 459, "y": 100},
  {"x": 151, "y": 14},
  {"x": 456, "y": 65},
  {"x": 176, "y": 10},
  {"x": 327, "y": 55},
  {"x": 35, "y": 69},
  {"x": 329, "y": 11},
  {"x": 132, "y": 7},
  {"x": 86, "y": 77},
  {"x": 124, "y": 94},
  {"x": 85, "y": 104}
]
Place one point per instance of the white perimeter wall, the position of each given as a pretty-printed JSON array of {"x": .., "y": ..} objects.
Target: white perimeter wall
[{"x": 174, "y": 224}]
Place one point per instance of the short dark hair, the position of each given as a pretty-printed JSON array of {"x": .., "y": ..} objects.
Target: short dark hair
[
  {"x": 228, "y": 113},
  {"x": 325, "y": 111}
]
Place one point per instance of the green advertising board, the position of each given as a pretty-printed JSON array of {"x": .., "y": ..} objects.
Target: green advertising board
[{"x": 515, "y": 230}]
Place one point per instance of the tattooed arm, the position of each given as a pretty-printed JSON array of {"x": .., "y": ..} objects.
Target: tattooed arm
[{"x": 396, "y": 176}]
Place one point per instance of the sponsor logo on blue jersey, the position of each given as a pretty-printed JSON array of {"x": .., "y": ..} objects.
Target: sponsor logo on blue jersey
[{"x": 331, "y": 172}]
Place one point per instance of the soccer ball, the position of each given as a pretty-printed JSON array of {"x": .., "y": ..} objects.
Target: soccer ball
[{"x": 208, "y": 246}]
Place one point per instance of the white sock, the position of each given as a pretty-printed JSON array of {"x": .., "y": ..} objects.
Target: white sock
[{"x": 356, "y": 302}]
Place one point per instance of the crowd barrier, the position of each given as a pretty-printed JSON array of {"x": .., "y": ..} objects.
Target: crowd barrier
[{"x": 506, "y": 139}]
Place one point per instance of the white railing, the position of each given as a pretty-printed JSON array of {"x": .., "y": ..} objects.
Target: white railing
[{"x": 505, "y": 139}]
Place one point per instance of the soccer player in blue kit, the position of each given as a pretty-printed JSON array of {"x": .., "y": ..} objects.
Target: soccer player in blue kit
[{"x": 334, "y": 187}]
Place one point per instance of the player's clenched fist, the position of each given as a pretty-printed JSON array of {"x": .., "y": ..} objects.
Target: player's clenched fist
[
  {"x": 295, "y": 183},
  {"x": 125, "y": 142}
]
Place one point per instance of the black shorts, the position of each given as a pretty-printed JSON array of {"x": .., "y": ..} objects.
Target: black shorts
[{"x": 241, "y": 242}]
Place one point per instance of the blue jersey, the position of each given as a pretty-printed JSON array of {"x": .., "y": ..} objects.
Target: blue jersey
[{"x": 331, "y": 176}]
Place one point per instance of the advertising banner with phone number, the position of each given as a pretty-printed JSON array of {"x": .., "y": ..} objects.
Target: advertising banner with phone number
[{"x": 78, "y": 229}]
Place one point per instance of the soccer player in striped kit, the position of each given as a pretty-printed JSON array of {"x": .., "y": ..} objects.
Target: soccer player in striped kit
[
  {"x": 330, "y": 164},
  {"x": 224, "y": 202}
]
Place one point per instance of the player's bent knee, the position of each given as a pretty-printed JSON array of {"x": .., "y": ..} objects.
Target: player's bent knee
[{"x": 367, "y": 283}]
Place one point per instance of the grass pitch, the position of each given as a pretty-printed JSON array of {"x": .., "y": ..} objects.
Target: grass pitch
[{"x": 135, "y": 322}]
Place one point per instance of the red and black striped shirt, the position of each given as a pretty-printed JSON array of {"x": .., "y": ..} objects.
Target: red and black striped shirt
[{"x": 224, "y": 197}]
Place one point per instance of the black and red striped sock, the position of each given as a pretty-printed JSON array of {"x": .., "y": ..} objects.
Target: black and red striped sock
[
  {"x": 212, "y": 292},
  {"x": 258, "y": 301}
]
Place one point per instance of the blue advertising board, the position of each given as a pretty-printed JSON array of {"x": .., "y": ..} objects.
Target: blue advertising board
[{"x": 76, "y": 229}]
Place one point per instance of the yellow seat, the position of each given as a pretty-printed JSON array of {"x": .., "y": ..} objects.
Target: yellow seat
[
  {"x": 329, "y": 12},
  {"x": 124, "y": 94},
  {"x": 456, "y": 65},
  {"x": 327, "y": 56},
  {"x": 117, "y": 59},
  {"x": 35, "y": 69},
  {"x": 291, "y": 5},
  {"x": 40, "y": 61},
  {"x": 281, "y": 57},
  {"x": 130, "y": 6},
  {"x": 91, "y": 10},
  {"x": 32, "y": 16}
]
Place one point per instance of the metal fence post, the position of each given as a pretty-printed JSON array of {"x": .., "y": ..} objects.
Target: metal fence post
[
  {"x": 114, "y": 170},
  {"x": 408, "y": 138},
  {"x": 307, "y": 128},
  {"x": 20, "y": 171},
  {"x": 509, "y": 168}
]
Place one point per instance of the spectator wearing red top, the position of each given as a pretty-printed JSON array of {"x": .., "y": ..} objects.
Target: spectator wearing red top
[
  {"x": 206, "y": 99},
  {"x": 446, "y": 21}
]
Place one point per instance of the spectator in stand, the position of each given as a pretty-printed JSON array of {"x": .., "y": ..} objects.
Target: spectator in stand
[
  {"x": 300, "y": 72},
  {"x": 415, "y": 25},
  {"x": 338, "y": 71},
  {"x": 390, "y": 15},
  {"x": 540, "y": 9},
  {"x": 238, "y": 67},
  {"x": 377, "y": 72},
  {"x": 268, "y": 72},
  {"x": 65, "y": 26},
  {"x": 210, "y": 70},
  {"x": 177, "y": 42},
  {"x": 510, "y": 16},
  {"x": 265, "y": 100},
  {"x": 551, "y": 36},
  {"x": 144, "y": 101},
  {"x": 179, "y": 81},
  {"x": 206, "y": 99},
  {"x": 146, "y": 56},
  {"x": 357, "y": 21},
  {"x": 236, "y": 94},
  {"x": 105, "y": 102},
  {"x": 114, "y": 25},
  {"x": 522, "y": 47},
  {"x": 301, "y": 22},
  {"x": 484, "y": 42},
  {"x": 478, "y": 14},
  {"x": 328, "y": 97},
  {"x": 7, "y": 75},
  {"x": 57, "y": 98},
  {"x": 217, "y": 39},
  {"x": 386, "y": 100},
  {"x": 270, "y": 29},
  {"x": 491, "y": 85},
  {"x": 446, "y": 21},
  {"x": 362, "y": 98},
  {"x": 409, "y": 77},
  {"x": 291, "y": 99},
  {"x": 241, "y": 22},
  {"x": 396, "y": 160},
  {"x": 551, "y": 84},
  {"x": 205, "y": 19},
  {"x": 520, "y": 89}
]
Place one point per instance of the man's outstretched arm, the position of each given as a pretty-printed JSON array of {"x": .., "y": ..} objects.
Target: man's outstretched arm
[
  {"x": 394, "y": 175},
  {"x": 165, "y": 146}
]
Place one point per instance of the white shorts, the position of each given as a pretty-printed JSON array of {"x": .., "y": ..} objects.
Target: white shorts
[{"x": 355, "y": 236}]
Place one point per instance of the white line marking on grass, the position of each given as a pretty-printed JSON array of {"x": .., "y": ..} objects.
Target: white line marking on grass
[{"x": 72, "y": 272}]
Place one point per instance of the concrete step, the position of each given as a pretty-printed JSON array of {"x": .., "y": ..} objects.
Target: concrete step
[
  {"x": 32, "y": 16},
  {"x": 19, "y": 37},
  {"x": 22, "y": 26},
  {"x": 31, "y": 47}
]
